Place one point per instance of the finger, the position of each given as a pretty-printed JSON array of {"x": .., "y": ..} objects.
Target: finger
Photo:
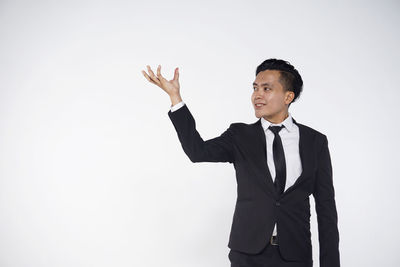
[
  {"x": 156, "y": 82},
  {"x": 159, "y": 70},
  {"x": 151, "y": 73},
  {"x": 159, "y": 76},
  {"x": 152, "y": 76},
  {"x": 176, "y": 74},
  {"x": 147, "y": 76}
]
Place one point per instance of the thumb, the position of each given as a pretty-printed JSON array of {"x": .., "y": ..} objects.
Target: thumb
[{"x": 176, "y": 74}]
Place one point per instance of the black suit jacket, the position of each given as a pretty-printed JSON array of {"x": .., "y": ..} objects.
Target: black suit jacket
[{"x": 258, "y": 206}]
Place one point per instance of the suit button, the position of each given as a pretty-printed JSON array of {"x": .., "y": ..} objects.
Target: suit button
[{"x": 278, "y": 203}]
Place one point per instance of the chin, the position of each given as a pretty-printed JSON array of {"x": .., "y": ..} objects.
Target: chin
[{"x": 258, "y": 114}]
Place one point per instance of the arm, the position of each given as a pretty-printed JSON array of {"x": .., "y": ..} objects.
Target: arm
[
  {"x": 218, "y": 149},
  {"x": 325, "y": 206}
]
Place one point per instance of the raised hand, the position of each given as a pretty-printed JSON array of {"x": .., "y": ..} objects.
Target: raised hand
[{"x": 171, "y": 87}]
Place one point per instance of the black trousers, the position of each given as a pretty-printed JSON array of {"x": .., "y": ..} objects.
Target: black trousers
[{"x": 268, "y": 257}]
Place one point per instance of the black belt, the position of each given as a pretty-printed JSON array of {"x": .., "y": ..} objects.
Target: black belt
[{"x": 274, "y": 240}]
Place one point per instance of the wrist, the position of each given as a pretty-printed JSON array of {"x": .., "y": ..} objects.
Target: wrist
[{"x": 175, "y": 99}]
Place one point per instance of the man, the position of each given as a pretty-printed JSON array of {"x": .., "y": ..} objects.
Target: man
[{"x": 279, "y": 163}]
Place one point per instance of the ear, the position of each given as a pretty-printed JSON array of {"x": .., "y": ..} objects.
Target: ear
[{"x": 289, "y": 97}]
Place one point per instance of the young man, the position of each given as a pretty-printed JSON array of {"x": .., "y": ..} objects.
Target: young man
[{"x": 279, "y": 163}]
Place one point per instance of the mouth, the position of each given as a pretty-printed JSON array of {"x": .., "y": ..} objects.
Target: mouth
[{"x": 258, "y": 105}]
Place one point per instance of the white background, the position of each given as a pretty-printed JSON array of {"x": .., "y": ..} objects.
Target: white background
[{"x": 91, "y": 169}]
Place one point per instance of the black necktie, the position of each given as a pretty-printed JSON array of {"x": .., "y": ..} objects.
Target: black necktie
[{"x": 279, "y": 160}]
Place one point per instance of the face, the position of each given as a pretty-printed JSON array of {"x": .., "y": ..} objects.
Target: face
[{"x": 268, "y": 91}]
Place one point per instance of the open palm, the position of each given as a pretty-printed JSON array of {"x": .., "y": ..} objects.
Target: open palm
[{"x": 171, "y": 87}]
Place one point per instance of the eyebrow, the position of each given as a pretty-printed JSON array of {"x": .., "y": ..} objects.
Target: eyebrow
[{"x": 267, "y": 84}]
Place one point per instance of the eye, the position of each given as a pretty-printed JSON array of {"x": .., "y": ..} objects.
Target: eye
[{"x": 266, "y": 87}]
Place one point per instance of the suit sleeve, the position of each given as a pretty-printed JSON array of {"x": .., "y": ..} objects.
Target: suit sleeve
[
  {"x": 325, "y": 206},
  {"x": 218, "y": 149}
]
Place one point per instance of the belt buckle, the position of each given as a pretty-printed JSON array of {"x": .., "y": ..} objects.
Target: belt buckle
[{"x": 274, "y": 240}]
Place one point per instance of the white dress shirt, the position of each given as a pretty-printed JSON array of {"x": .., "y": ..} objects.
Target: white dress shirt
[
  {"x": 177, "y": 106},
  {"x": 290, "y": 137}
]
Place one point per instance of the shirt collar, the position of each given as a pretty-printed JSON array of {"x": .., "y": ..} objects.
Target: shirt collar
[{"x": 288, "y": 122}]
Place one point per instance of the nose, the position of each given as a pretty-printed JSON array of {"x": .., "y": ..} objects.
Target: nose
[{"x": 259, "y": 94}]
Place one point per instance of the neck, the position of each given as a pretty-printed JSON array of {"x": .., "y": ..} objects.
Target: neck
[{"x": 277, "y": 118}]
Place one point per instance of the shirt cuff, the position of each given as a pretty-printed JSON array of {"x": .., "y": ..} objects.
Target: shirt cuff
[{"x": 177, "y": 106}]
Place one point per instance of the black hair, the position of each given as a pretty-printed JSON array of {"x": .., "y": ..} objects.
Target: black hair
[{"x": 289, "y": 76}]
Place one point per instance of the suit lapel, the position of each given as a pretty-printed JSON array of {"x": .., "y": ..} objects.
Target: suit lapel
[
  {"x": 306, "y": 156},
  {"x": 266, "y": 179}
]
